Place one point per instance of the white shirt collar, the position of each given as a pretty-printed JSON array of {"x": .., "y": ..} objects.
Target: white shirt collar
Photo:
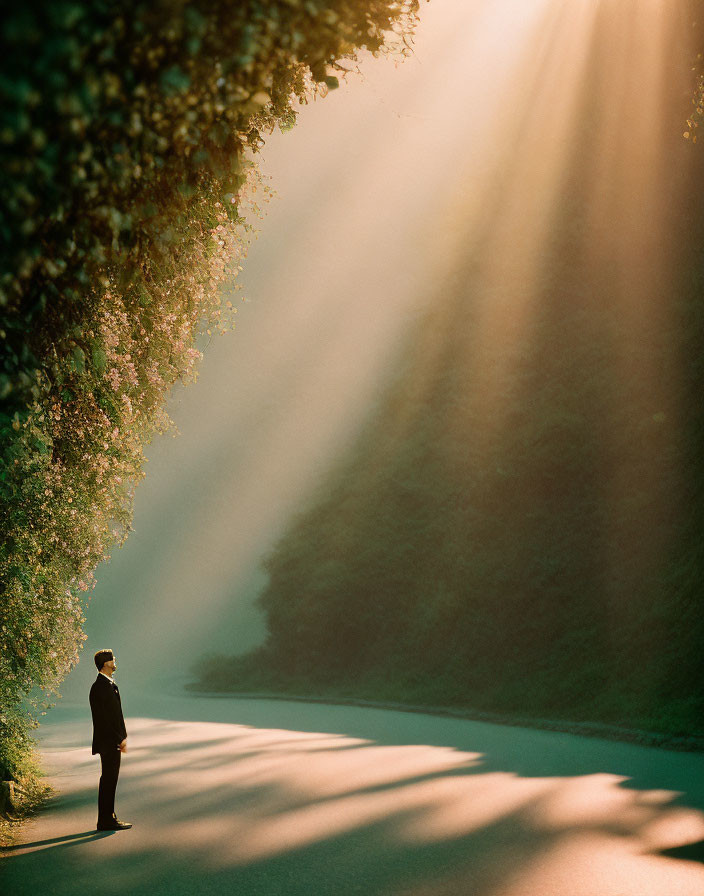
[{"x": 107, "y": 676}]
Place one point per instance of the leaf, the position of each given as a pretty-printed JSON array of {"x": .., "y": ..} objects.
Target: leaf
[
  {"x": 174, "y": 80},
  {"x": 78, "y": 360},
  {"x": 99, "y": 359}
]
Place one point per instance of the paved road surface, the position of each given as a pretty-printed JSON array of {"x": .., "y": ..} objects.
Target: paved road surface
[{"x": 270, "y": 797}]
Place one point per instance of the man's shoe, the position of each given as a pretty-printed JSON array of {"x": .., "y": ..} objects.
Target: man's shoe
[{"x": 114, "y": 825}]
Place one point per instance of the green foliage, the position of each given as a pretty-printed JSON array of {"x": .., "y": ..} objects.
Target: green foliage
[{"x": 127, "y": 137}]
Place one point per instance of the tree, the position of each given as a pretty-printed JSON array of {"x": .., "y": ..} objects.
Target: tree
[{"x": 128, "y": 135}]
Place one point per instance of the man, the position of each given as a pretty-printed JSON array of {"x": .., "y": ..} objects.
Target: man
[{"x": 109, "y": 738}]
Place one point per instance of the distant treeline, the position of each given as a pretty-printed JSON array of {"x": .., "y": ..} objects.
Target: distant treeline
[
  {"x": 544, "y": 557},
  {"x": 517, "y": 583}
]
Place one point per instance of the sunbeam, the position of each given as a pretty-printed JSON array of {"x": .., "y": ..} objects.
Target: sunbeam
[{"x": 518, "y": 132}]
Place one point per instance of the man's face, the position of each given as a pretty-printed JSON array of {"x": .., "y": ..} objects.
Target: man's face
[{"x": 110, "y": 666}]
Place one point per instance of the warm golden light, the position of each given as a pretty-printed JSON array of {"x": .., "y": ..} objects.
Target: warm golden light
[
  {"x": 250, "y": 804},
  {"x": 471, "y": 268},
  {"x": 436, "y": 187}
]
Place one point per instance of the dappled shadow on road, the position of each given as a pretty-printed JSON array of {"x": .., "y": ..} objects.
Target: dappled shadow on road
[
  {"x": 689, "y": 852},
  {"x": 397, "y": 805}
]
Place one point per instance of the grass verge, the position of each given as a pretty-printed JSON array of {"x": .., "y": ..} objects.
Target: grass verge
[
  {"x": 217, "y": 681},
  {"x": 20, "y": 800}
]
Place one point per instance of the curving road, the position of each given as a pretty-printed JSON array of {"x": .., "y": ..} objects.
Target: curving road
[{"x": 267, "y": 797}]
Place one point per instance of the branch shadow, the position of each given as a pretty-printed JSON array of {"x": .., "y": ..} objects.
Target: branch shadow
[{"x": 689, "y": 852}]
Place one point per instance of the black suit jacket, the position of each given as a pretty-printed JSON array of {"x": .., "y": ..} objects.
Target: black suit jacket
[{"x": 106, "y": 708}]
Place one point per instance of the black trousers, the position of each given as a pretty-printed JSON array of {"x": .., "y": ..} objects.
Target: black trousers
[{"x": 109, "y": 772}]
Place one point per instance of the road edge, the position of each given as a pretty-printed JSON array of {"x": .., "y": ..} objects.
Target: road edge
[{"x": 681, "y": 744}]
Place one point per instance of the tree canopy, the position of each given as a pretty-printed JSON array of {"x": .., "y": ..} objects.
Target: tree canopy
[{"x": 128, "y": 140}]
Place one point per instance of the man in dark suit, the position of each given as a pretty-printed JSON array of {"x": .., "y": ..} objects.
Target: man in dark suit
[{"x": 109, "y": 738}]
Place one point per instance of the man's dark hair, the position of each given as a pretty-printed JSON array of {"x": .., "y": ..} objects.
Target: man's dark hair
[{"x": 102, "y": 657}]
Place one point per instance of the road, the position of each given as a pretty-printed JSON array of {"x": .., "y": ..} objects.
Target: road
[{"x": 265, "y": 797}]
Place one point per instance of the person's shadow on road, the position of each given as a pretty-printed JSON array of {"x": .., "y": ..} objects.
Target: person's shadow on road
[{"x": 67, "y": 840}]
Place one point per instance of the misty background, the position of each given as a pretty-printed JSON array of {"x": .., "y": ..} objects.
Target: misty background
[
  {"x": 342, "y": 265},
  {"x": 457, "y": 408}
]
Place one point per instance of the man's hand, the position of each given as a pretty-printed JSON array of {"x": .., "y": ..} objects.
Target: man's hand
[{"x": 122, "y": 747}]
